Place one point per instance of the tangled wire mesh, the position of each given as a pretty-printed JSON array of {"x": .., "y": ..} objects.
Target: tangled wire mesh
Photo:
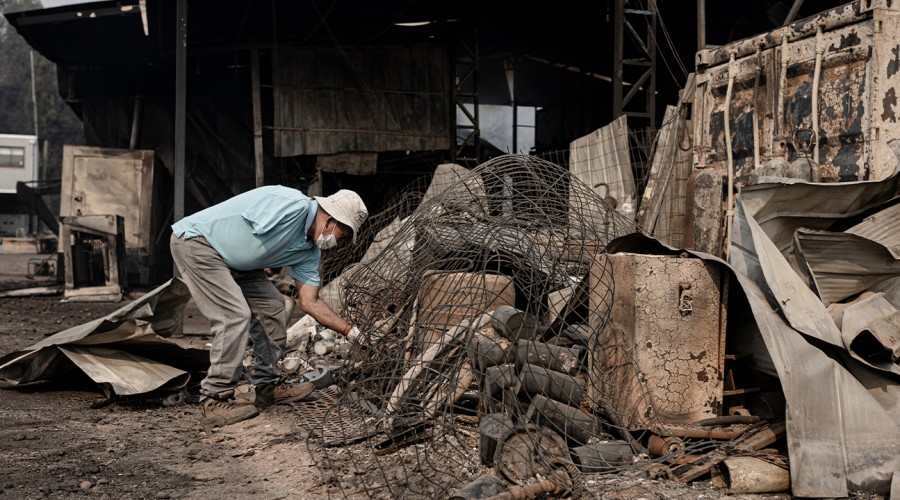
[{"x": 484, "y": 363}]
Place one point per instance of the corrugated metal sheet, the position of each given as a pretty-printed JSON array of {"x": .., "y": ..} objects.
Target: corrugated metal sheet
[
  {"x": 361, "y": 99},
  {"x": 663, "y": 204},
  {"x": 841, "y": 264},
  {"x": 601, "y": 158},
  {"x": 871, "y": 334},
  {"x": 839, "y": 436},
  {"x": 766, "y": 266},
  {"x": 780, "y": 209},
  {"x": 142, "y": 324},
  {"x": 882, "y": 227}
]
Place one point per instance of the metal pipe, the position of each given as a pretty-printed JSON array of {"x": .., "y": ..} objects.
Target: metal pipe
[
  {"x": 180, "y": 105},
  {"x": 729, "y": 213},
  {"x": 782, "y": 86},
  {"x": 705, "y": 433},
  {"x": 34, "y": 93},
  {"x": 820, "y": 51},
  {"x": 729, "y": 420},
  {"x": 701, "y": 24},
  {"x": 756, "y": 109},
  {"x": 829, "y": 20},
  {"x": 663, "y": 446},
  {"x": 36, "y": 146},
  {"x": 618, "y": 56},
  {"x": 257, "y": 118},
  {"x": 793, "y": 13}
]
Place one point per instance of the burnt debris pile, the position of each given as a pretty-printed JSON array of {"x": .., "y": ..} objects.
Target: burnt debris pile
[{"x": 487, "y": 364}]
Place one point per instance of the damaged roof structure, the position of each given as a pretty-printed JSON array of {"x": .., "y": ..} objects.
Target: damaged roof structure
[{"x": 536, "y": 323}]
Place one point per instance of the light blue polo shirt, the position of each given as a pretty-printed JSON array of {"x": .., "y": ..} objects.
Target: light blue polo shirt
[{"x": 263, "y": 227}]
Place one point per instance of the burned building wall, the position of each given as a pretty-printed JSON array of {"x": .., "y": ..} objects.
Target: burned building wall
[
  {"x": 811, "y": 100},
  {"x": 330, "y": 101}
]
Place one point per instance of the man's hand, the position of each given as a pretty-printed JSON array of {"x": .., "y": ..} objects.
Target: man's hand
[{"x": 313, "y": 305}]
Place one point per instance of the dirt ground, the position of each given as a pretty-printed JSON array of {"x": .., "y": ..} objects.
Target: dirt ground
[{"x": 64, "y": 440}]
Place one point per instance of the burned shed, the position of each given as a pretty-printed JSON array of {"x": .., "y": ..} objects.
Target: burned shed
[
  {"x": 281, "y": 91},
  {"x": 229, "y": 95},
  {"x": 523, "y": 308},
  {"x": 277, "y": 89}
]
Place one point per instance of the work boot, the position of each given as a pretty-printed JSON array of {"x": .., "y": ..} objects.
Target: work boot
[
  {"x": 218, "y": 410},
  {"x": 279, "y": 393}
]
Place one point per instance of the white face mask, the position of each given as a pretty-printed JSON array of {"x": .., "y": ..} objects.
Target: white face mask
[{"x": 326, "y": 241}]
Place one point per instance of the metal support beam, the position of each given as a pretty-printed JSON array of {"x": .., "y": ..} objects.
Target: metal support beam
[
  {"x": 701, "y": 24},
  {"x": 464, "y": 120},
  {"x": 257, "y": 118},
  {"x": 180, "y": 100},
  {"x": 635, "y": 61},
  {"x": 510, "y": 69},
  {"x": 793, "y": 13},
  {"x": 35, "y": 158},
  {"x": 618, "y": 55}
]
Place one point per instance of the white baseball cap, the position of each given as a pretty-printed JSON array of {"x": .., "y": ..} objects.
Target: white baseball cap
[{"x": 347, "y": 207}]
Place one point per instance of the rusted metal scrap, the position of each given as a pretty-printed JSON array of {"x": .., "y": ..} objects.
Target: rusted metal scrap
[{"x": 760, "y": 437}]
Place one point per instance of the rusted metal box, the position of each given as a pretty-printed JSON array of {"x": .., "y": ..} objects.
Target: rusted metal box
[
  {"x": 103, "y": 181},
  {"x": 447, "y": 298},
  {"x": 94, "y": 250},
  {"x": 816, "y": 99},
  {"x": 659, "y": 358}
]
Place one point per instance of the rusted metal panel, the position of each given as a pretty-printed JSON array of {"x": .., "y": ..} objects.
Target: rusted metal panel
[
  {"x": 842, "y": 264},
  {"x": 704, "y": 223},
  {"x": 663, "y": 206},
  {"x": 107, "y": 181},
  {"x": 601, "y": 160},
  {"x": 882, "y": 227},
  {"x": 829, "y": 20},
  {"x": 361, "y": 99},
  {"x": 843, "y": 427},
  {"x": 658, "y": 358},
  {"x": 821, "y": 101},
  {"x": 840, "y": 435},
  {"x": 885, "y": 68}
]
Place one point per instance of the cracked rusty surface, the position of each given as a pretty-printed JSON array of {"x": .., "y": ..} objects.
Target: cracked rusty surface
[{"x": 672, "y": 351}]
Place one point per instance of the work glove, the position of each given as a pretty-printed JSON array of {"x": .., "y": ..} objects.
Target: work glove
[{"x": 353, "y": 335}]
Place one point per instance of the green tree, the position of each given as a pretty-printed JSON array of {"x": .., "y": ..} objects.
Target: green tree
[{"x": 57, "y": 123}]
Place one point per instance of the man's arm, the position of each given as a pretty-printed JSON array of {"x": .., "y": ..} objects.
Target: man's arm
[{"x": 319, "y": 310}]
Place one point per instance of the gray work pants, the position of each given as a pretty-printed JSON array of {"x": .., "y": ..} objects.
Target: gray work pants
[{"x": 239, "y": 305}]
